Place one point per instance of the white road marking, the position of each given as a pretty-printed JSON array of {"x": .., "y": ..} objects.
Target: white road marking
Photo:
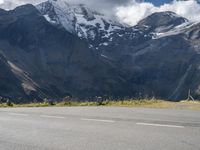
[
  {"x": 98, "y": 120},
  {"x": 160, "y": 125},
  {"x": 18, "y": 114},
  {"x": 47, "y": 116}
]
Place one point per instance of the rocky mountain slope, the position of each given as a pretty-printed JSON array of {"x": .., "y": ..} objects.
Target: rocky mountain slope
[{"x": 56, "y": 49}]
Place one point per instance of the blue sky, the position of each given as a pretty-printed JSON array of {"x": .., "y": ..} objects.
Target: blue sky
[{"x": 158, "y": 2}]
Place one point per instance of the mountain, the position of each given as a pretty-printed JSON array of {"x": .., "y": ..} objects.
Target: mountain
[
  {"x": 40, "y": 54},
  {"x": 50, "y": 62},
  {"x": 58, "y": 49},
  {"x": 158, "y": 56},
  {"x": 81, "y": 20}
]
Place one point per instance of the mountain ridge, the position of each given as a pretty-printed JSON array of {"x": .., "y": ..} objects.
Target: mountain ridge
[{"x": 152, "y": 59}]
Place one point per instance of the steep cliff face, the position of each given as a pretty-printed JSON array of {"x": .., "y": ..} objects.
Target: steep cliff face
[
  {"x": 9, "y": 83},
  {"x": 41, "y": 55},
  {"x": 41, "y": 58}
]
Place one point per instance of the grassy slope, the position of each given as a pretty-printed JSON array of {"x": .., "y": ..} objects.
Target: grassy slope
[{"x": 127, "y": 103}]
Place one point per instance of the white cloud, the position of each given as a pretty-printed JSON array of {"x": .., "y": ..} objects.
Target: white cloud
[
  {"x": 102, "y": 5},
  {"x": 11, "y": 4},
  {"x": 135, "y": 11},
  {"x": 1, "y": 1},
  {"x": 128, "y": 13}
]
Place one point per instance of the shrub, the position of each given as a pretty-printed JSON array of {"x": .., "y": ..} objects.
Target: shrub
[
  {"x": 67, "y": 103},
  {"x": 1, "y": 100},
  {"x": 9, "y": 103},
  {"x": 49, "y": 102}
]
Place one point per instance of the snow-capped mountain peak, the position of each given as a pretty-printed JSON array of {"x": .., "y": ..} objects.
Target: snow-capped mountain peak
[
  {"x": 78, "y": 19},
  {"x": 162, "y": 19},
  {"x": 58, "y": 13},
  {"x": 163, "y": 24}
]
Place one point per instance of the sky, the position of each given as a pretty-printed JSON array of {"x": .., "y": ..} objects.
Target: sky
[
  {"x": 134, "y": 12},
  {"x": 129, "y": 11},
  {"x": 102, "y": 4}
]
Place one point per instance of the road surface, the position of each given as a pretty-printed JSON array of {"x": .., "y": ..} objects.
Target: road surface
[{"x": 99, "y": 128}]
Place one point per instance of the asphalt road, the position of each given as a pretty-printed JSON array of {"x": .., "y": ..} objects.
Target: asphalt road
[{"x": 99, "y": 128}]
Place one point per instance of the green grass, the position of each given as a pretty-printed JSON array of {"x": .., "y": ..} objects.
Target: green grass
[{"x": 126, "y": 103}]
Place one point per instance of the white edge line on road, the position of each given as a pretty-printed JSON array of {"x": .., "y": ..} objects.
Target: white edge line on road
[
  {"x": 18, "y": 114},
  {"x": 98, "y": 120},
  {"x": 47, "y": 116},
  {"x": 160, "y": 125}
]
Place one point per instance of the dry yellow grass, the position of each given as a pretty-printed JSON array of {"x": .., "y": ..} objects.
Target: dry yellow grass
[{"x": 194, "y": 105}]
